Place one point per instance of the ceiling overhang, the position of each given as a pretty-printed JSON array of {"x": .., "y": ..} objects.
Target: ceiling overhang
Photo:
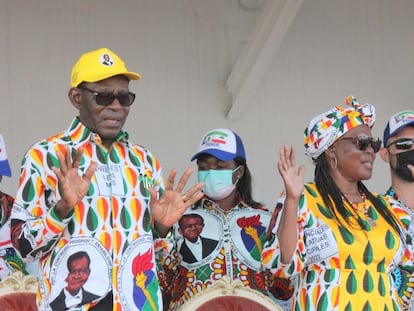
[{"x": 257, "y": 55}]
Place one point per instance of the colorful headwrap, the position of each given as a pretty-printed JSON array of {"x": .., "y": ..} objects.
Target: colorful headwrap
[{"x": 324, "y": 129}]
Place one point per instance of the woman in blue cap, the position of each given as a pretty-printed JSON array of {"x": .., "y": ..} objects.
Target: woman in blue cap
[{"x": 221, "y": 235}]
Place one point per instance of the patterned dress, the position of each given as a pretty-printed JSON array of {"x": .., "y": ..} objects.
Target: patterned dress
[
  {"x": 10, "y": 261},
  {"x": 337, "y": 267},
  {"x": 112, "y": 223},
  {"x": 239, "y": 237}
]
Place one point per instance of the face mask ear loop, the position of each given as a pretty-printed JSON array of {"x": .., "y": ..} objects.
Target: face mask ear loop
[{"x": 235, "y": 170}]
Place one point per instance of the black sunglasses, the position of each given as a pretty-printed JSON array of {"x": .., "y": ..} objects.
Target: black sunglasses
[
  {"x": 106, "y": 99},
  {"x": 402, "y": 143},
  {"x": 362, "y": 142}
]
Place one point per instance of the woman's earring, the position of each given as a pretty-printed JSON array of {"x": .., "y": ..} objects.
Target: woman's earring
[{"x": 335, "y": 163}]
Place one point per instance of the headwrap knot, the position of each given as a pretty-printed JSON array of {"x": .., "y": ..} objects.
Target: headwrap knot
[{"x": 326, "y": 128}]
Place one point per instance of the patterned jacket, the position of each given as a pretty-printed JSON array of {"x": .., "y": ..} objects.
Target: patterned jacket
[{"x": 112, "y": 223}]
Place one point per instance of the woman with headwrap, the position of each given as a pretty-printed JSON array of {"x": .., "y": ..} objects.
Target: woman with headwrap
[{"x": 337, "y": 239}]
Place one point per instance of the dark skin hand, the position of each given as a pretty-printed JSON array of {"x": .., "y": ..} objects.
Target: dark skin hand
[
  {"x": 72, "y": 187},
  {"x": 166, "y": 209}
]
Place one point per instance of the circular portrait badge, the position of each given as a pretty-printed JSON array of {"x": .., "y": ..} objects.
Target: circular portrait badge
[
  {"x": 72, "y": 272},
  {"x": 199, "y": 238},
  {"x": 137, "y": 277},
  {"x": 248, "y": 231}
]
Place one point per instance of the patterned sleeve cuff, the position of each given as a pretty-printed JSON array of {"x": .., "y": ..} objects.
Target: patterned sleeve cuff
[{"x": 54, "y": 223}]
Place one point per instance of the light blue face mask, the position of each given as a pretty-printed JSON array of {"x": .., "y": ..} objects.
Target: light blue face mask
[{"x": 218, "y": 184}]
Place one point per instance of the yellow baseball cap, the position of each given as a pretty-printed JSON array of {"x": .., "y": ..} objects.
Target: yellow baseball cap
[{"x": 98, "y": 65}]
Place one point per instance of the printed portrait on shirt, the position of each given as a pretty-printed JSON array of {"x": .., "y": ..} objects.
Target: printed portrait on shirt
[
  {"x": 198, "y": 238},
  {"x": 75, "y": 281}
]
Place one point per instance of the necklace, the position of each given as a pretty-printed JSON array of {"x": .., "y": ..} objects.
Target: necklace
[
  {"x": 370, "y": 221},
  {"x": 362, "y": 207}
]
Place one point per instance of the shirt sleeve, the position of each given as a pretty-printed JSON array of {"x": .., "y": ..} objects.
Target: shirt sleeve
[
  {"x": 6, "y": 203},
  {"x": 271, "y": 257},
  {"x": 35, "y": 225}
]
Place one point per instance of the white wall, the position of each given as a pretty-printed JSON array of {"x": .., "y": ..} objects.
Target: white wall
[{"x": 185, "y": 50}]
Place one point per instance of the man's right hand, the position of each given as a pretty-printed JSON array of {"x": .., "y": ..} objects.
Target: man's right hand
[{"x": 72, "y": 187}]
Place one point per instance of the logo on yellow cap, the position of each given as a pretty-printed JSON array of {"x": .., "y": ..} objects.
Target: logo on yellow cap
[{"x": 98, "y": 65}]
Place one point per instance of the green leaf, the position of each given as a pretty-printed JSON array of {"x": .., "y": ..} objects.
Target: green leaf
[
  {"x": 389, "y": 240},
  {"x": 349, "y": 263},
  {"x": 346, "y": 235},
  {"x": 351, "y": 283},
  {"x": 368, "y": 254},
  {"x": 368, "y": 283},
  {"x": 324, "y": 211}
]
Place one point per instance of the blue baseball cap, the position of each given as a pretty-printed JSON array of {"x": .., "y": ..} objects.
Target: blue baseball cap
[
  {"x": 221, "y": 143},
  {"x": 397, "y": 123}
]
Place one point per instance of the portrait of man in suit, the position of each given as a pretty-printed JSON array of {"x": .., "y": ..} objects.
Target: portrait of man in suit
[
  {"x": 194, "y": 247},
  {"x": 107, "y": 60},
  {"x": 74, "y": 294}
]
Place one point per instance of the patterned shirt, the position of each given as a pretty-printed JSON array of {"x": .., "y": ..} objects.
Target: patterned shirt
[
  {"x": 232, "y": 243},
  {"x": 112, "y": 223},
  {"x": 339, "y": 267},
  {"x": 404, "y": 280},
  {"x": 10, "y": 261}
]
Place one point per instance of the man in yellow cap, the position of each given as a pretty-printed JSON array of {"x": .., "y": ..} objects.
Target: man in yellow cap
[{"x": 90, "y": 188}]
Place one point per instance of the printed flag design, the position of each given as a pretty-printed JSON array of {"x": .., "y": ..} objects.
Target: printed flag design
[
  {"x": 144, "y": 279},
  {"x": 252, "y": 234}
]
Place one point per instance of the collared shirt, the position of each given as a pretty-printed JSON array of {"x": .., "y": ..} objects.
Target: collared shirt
[
  {"x": 112, "y": 223},
  {"x": 72, "y": 301},
  {"x": 195, "y": 248}
]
